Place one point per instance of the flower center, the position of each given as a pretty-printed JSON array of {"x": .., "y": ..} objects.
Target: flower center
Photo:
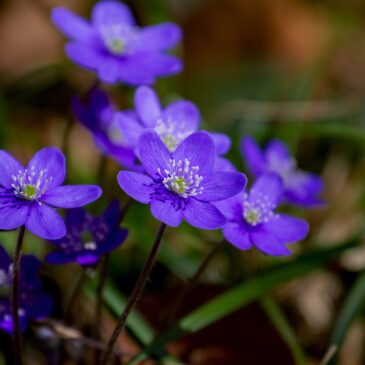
[
  {"x": 90, "y": 246},
  {"x": 118, "y": 38},
  {"x": 257, "y": 211},
  {"x": 284, "y": 168},
  {"x": 182, "y": 178},
  {"x": 26, "y": 185},
  {"x": 115, "y": 134},
  {"x": 170, "y": 133}
]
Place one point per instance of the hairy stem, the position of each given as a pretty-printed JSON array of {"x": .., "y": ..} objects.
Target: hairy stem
[
  {"x": 17, "y": 345},
  {"x": 133, "y": 299}
]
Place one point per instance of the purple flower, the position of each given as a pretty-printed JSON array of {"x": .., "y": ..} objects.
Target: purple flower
[
  {"x": 251, "y": 220},
  {"x": 173, "y": 124},
  {"x": 114, "y": 47},
  {"x": 34, "y": 304},
  {"x": 29, "y": 196},
  {"x": 301, "y": 188},
  {"x": 181, "y": 184},
  {"x": 88, "y": 237},
  {"x": 98, "y": 115}
]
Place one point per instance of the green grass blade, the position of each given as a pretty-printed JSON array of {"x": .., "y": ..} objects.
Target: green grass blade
[
  {"x": 116, "y": 302},
  {"x": 241, "y": 295},
  {"x": 352, "y": 307},
  {"x": 282, "y": 325}
]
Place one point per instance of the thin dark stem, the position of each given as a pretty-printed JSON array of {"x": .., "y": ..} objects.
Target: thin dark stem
[
  {"x": 15, "y": 299},
  {"x": 133, "y": 299},
  {"x": 74, "y": 294},
  {"x": 180, "y": 299}
]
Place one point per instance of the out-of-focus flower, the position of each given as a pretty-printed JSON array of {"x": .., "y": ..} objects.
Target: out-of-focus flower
[
  {"x": 29, "y": 196},
  {"x": 181, "y": 184},
  {"x": 251, "y": 220},
  {"x": 98, "y": 115},
  {"x": 114, "y": 47},
  {"x": 88, "y": 238},
  {"x": 173, "y": 123},
  {"x": 34, "y": 304},
  {"x": 301, "y": 188}
]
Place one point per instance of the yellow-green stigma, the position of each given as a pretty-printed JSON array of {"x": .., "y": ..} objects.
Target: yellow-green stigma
[
  {"x": 180, "y": 185},
  {"x": 181, "y": 178},
  {"x": 170, "y": 142},
  {"x": 116, "y": 46},
  {"x": 29, "y": 191},
  {"x": 252, "y": 216},
  {"x": 30, "y": 185}
]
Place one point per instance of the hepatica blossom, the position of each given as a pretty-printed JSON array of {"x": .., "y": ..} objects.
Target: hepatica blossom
[
  {"x": 98, "y": 115},
  {"x": 88, "y": 238},
  {"x": 34, "y": 304},
  {"x": 181, "y": 184},
  {"x": 173, "y": 124},
  {"x": 252, "y": 221},
  {"x": 301, "y": 188},
  {"x": 114, "y": 47},
  {"x": 29, "y": 196}
]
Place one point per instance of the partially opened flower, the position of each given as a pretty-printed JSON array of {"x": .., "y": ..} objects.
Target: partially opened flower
[
  {"x": 34, "y": 304},
  {"x": 301, "y": 188},
  {"x": 181, "y": 184},
  {"x": 114, "y": 47},
  {"x": 88, "y": 238},
  {"x": 98, "y": 115},
  {"x": 29, "y": 196},
  {"x": 252, "y": 221},
  {"x": 173, "y": 124}
]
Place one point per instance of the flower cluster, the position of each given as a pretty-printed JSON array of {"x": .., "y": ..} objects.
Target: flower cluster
[
  {"x": 252, "y": 221},
  {"x": 169, "y": 164},
  {"x": 301, "y": 188},
  {"x": 181, "y": 184},
  {"x": 34, "y": 304},
  {"x": 117, "y": 133},
  {"x": 29, "y": 195},
  {"x": 114, "y": 47},
  {"x": 88, "y": 238}
]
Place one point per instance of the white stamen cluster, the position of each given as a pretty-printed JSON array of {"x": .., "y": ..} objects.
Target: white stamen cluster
[
  {"x": 170, "y": 133},
  {"x": 90, "y": 246},
  {"x": 182, "y": 178},
  {"x": 118, "y": 38},
  {"x": 27, "y": 185},
  {"x": 258, "y": 211}
]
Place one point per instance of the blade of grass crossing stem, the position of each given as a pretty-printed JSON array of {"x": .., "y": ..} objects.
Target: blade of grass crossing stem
[
  {"x": 115, "y": 301},
  {"x": 241, "y": 295},
  {"x": 284, "y": 328},
  {"x": 353, "y": 306}
]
